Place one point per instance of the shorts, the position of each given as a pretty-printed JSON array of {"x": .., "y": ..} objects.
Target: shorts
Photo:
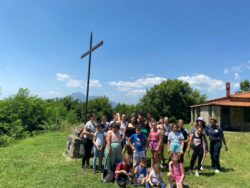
[
  {"x": 165, "y": 139},
  {"x": 137, "y": 155},
  {"x": 153, "y": 145},
  {"x": 177, "y": 179},
  {"x": 175, "y": 148}
]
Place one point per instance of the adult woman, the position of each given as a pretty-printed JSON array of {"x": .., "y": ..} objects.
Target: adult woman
[
  {"x": 216, "y": 137},
  {"x": 129, "y": 131},
  {"x": 88, "y": 135},
  {"x": 113, "y": 150}
]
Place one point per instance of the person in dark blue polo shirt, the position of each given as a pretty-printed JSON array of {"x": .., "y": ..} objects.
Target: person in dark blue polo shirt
[{"x": 216, "y": 137}]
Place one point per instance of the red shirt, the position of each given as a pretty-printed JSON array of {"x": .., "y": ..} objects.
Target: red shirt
[{"x": 122, "y": 166}]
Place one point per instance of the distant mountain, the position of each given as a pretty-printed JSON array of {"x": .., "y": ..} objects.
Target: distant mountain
[{"x": 82, "y": 97}]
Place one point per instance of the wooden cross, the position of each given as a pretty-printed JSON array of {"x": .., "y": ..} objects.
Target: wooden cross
[{"x": 91, "y": 49}]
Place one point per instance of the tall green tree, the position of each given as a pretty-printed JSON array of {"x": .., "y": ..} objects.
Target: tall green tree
[
  {"x": 125, "y": 109},
  {"x": 244, "y": 86},
  {"x": 172, "y": 98},
  {"x": 100, "y": 106}
]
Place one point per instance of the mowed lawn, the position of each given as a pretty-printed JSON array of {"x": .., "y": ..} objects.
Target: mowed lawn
[{"x": 40, "y": 162}]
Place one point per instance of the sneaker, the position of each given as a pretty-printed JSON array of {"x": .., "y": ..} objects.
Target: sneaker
[
  {"x": 201, "y": 168},
  {"x": 94, "y": 171},
  {"x": 217, "y": 171},
  {"x": 197, "y": 174}
]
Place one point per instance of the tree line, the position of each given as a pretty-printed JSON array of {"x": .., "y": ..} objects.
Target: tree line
[{"x": 25, "y": 114}]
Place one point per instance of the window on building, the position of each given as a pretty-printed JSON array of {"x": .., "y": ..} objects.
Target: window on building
[{"x": 247, "y": 114}]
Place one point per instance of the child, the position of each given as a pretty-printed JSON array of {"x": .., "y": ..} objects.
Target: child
[
  {"x": 175, "y": 140},
  {"x": 155, "y": 141},
  {"x": 155, "y": 178},
  {"x": 138, "y": 144},
  {"x": 123, "y": 171},
  {"x": 176, "y": 171},
  {"x": 199, "y": 149},
  {"x": 140, "y": 173},
  {"x": 99, "y": 143}
]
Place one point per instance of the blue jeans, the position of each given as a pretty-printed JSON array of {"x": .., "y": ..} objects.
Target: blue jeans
[
  {"x": 97, "y": 154},
  {"x": 161, "y": 185}
]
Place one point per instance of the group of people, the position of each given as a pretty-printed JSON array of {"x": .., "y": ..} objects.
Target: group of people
[{"x": 124, "y": 144}]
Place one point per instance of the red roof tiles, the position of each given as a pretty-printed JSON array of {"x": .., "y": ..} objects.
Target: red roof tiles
[{"x": 236, "y": 100}]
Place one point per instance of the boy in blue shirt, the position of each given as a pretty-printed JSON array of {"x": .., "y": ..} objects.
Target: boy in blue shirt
[{"x": 138, "y": 143}]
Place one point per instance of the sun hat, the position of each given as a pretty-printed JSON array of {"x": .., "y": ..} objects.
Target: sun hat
[{"x": 200, "y": 119}]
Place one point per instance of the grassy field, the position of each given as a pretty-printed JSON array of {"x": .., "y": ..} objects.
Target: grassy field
[{"x": 40, "y": 162}]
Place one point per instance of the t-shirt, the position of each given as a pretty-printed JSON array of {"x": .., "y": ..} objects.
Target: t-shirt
[
  {"x": 215, "y": 134},
  {"x": 123, "y": 127},
  {"x": 100, "y": 138},
  {"x": 155, "y": 178},
  {"x": 91, "y": 127},
  {"x": 122, "y": 166},
  {"x": 185, "y": 133},
  {"x": 138, "y": 141},
  {"x": 167, "y": 129},
  {"x": 175, "y": 137},
  {"x": 141, "y": 173},
  {"x": 197, "y": 140}
]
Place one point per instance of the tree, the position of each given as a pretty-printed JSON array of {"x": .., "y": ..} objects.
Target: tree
[
  {"x": 244, "y": 86},
  {"x": 172, "y": 98},
  {"x": 100, "y": 106},
  {"x": 125, "y": 109}
]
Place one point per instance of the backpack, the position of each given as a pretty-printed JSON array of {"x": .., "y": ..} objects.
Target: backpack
[{"x": 107, "y": 175}]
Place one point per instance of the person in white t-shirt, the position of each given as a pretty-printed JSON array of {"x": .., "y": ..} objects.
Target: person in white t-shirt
[
  {"x": 155, "y": 178},
  {"x": 99, "y": 144},
  {"x": 88, "y": 135}
]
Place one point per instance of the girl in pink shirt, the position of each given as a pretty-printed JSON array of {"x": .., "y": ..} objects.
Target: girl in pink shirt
[
  {"x": 176, "y": 171},
  {"x": 155, "y": 141}
]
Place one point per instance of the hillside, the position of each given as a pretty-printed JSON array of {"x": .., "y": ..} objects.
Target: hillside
[{"x": 40, "y": 162}]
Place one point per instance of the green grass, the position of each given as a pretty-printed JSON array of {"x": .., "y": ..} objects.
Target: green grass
[{"x": 40, "y": 162}]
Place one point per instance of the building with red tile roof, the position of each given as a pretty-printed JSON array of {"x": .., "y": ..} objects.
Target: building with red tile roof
[{"x": 232, "y": 111}]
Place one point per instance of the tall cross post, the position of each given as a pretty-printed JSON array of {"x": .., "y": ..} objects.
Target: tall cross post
[{"x": 91, "y": 49}]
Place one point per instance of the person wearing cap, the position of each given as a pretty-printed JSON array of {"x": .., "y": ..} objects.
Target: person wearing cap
[
  {"x": 138, "y": 143},
  {"x": 200, "y": 123},
  {"x": 216, "y": 137}
]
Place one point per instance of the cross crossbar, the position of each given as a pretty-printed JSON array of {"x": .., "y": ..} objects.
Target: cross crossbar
[{"x": 92, "y": 49}]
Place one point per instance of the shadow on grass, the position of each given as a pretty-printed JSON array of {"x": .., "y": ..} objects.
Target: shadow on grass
[{"x": 184, "y": 186}]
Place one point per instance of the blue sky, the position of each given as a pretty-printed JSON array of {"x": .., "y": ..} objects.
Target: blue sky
[{"x": 205, "y": 43}]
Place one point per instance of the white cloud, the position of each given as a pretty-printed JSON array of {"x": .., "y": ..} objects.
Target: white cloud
[
  {"x": 236, "y": 76},
  {"x": 236, "y": 84},
  {"x": 241, "y": 67},
  {"x": 72, "y": 83},
  {"x": 225, "y": 71},
  {"x": 95, "y": 84},
  {"x": 62, "y": 77},
  {"x": 138, "y": 84},
  {"x": 75, "y": 83},
  {"x": 137, "y": 92},
  {"x": 203, "y": 82}
]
